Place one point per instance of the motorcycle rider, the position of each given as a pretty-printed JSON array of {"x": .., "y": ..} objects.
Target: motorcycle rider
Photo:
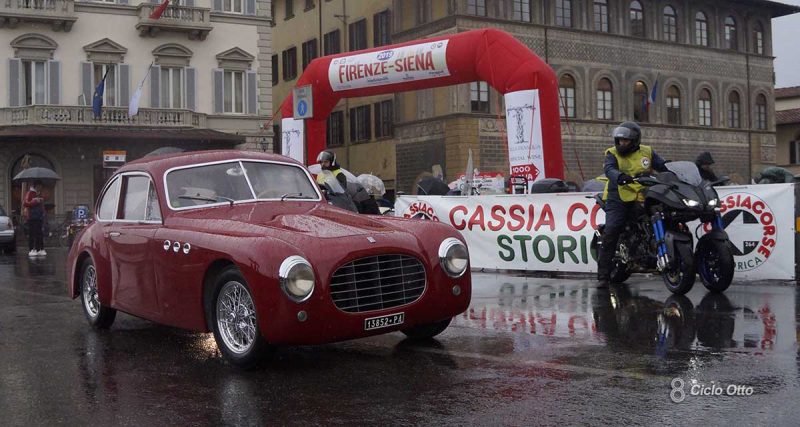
[
  {"x": 626, "y": 159},
  {"x": 327, "y": 159},
  {"x": 704, "y": 162}
]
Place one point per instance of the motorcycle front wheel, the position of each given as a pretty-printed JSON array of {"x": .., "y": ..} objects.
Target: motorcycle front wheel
[
  {"x": 715, "y": 265},
  {"x": 679, "y": 277}
]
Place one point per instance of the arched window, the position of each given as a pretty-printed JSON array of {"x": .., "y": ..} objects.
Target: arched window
[
  {"x": 700, "y": 29},
  {"x": 734, "y": 110},
  {"x": 601, "y": 15},
  {"x": 641, "y": 103},
  {"x": 670, "y": 24},
  {"x": 704, "y": 108},
  {"x": 605, "y": 105},
  {"x": 566, "y": 91},
  {"x": 758, "y": 38},
  {"x": 673, "y": 105},
  {"x": 761, "y": 112},
  {"x": 637, "y": 19},
  {"x": 730, "y": 33}
]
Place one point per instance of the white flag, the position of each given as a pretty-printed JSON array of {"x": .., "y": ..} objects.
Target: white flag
[{"x": 133, "y": 107}]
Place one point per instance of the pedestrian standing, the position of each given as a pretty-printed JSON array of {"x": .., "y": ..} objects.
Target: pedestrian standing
[{"x": 36, "y": 215}]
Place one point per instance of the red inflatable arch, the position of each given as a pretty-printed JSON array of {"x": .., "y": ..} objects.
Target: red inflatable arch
[{"x": 480, "y": 55}]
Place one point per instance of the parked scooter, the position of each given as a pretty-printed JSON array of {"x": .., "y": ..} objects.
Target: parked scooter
[{"x": 659, "y": 239}]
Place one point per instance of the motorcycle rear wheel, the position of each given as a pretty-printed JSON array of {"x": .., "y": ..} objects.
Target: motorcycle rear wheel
[
  {"x": 680, "y": 278},
  {"x": 715, "y": 265}
]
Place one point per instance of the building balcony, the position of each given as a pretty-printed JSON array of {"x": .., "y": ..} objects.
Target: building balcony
[
  {"x": 194, "y": 21},
  {"x": 59, "y": 14},
  {"x": 64, "y": 115}
]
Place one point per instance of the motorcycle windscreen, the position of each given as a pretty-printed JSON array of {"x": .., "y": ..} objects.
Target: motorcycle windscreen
[{"x": 686, "y": 172}]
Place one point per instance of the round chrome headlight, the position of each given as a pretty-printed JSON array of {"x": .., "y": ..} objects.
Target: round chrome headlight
[
  {"x": 297, "y": 278},
  {"x": 453, "y": 257}
]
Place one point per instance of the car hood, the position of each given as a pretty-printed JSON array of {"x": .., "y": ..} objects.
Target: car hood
[{"x": 314, "y": 220}]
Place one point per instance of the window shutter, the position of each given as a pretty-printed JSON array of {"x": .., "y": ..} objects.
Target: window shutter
[
  {"x": 252, "y": 93},
  {"x": 250, "y": 7},
  {"x": 124, "y": 84},
  {"x": 14, "y": 81},
  {"x": 190, "y": 88},
  {"x": 122, "y": 1},
  {"x": 155, "y": 86},
  {"x": 218, "y": 95},
  {"x": 190, "y": 3},
  {"x": 216, "y": 5},
  {"x": 86, "y": 82},
  {"x": 793, "y": 152},
  {"x": 54, "y": 82}
]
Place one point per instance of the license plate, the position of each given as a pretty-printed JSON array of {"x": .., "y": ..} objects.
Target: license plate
[{"x": 383, "y": 321}]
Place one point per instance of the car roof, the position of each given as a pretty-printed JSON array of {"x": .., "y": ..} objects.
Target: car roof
[{"x": 160, "y": 163}]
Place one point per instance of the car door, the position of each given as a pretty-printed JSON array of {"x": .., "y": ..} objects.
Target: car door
[{"x": 131, "y": 245}]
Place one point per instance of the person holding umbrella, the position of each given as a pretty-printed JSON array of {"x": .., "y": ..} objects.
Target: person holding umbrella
[{"x": 34, "y": 202}]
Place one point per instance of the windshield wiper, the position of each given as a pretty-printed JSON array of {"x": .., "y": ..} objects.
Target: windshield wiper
[
  {"x": 208, "y": 199},
  {"x": 292, "y": 196}
]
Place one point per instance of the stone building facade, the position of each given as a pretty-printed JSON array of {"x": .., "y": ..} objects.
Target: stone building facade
[
  {"x": 208, "y": 86},
  {"x": 711, "y": 61},
  {"x": 787, "y": 118}
]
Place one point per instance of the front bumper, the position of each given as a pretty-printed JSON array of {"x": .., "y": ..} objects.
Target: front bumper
[{"x": 325, "y": 323}]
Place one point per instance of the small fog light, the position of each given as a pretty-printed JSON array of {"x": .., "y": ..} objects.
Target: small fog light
[
  {"x": 302, "y": 315},
  {"x": 456, "y": 290}
]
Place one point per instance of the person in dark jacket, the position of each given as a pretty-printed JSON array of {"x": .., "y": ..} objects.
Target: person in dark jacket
[
  {"x": 704, "y": 162},
  {"x": 34, "y": 202},
  {"x": 327, "y": 160},
  {"x": 625, "y": 160}
]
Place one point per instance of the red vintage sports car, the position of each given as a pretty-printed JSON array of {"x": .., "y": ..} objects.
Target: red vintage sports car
[{"x": 243, "y": 244}]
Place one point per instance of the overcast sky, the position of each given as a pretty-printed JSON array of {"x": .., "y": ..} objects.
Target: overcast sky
[{"x": 786, "y": 34}]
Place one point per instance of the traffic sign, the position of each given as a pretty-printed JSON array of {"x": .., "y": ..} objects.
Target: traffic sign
[{"x": 302, "y": 103}]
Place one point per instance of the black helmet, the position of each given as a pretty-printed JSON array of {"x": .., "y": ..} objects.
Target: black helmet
[
  {"x": 627, "y": 130},
  {"x": 704, "y": 158},
  {"x": 327, "y": 155}
]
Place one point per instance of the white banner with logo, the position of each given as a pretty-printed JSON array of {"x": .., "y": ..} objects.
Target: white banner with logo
[
  {"x": 524, "y": 124},
  {"x": 553, "y": 232},
  {"x": 293, "y": 139},
  {"x": 398, "y": 65}
]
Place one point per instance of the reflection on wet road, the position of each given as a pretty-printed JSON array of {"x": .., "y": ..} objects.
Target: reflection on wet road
[{"x": 528, "y": 351}]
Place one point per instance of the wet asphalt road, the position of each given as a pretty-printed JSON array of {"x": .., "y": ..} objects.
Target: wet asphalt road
[{"x": 529, "y": 351}]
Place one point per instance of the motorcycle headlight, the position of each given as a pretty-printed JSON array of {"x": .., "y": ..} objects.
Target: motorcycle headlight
[
  {"x": 453, "y": 257},
  {"x": 297, "y": 278},
  {"x": 691, "y": 203},
  {"x": 713, "y": 203}
]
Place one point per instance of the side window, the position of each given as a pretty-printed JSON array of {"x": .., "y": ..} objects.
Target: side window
[
  {"x": 153, "y": 212},
  {"x": 134, "y": 199},
  {"x": 108, "y": 206}
]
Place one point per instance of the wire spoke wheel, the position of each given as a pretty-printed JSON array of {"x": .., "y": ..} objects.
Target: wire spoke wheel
[
  {"x": 89, "y": 290},
  {"x": 236, "y": 317}
]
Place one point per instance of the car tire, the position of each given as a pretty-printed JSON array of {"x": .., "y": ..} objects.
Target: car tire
[
  {"x": 98, "y": 315},
  {"x": 238, "y": 338},
  {"x": 428, "y": 330}
]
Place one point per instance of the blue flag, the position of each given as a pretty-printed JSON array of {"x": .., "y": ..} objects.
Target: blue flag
[{"x": 97, "y": 99}]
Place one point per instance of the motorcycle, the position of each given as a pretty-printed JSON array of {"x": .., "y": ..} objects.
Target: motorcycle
[
  {"x": 659, "y": 239},
  {"x": 334, "y": 193}
]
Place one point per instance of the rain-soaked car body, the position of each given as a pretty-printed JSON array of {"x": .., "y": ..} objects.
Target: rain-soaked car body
[{"x": 244, "y": 245}]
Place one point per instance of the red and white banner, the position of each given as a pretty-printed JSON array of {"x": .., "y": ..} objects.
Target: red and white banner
[
  {"x": 553, "y": 232},
  {"x": 524, "y": 124},
  {"x": 398, "y": 65}
]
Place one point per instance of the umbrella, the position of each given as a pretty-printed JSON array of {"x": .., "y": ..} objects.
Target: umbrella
[
  {"x": 164, "y": 150},
  {"x": 432, "y": 186},
  {"x": 373, "y": 184},
  {"x": 36, "y": 174}
]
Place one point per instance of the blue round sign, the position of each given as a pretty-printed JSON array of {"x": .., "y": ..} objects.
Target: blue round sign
[{"x": 302, "y": 108}]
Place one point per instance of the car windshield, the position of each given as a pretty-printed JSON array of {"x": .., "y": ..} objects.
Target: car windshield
[
  {"x": 276, "y": 181},
  {"x": 228, "y": 182},
  {"x": 686, "y": 172}
]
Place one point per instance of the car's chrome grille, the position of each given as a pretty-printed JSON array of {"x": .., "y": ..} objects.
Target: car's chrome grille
[{"x": 377, "y": 282}]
